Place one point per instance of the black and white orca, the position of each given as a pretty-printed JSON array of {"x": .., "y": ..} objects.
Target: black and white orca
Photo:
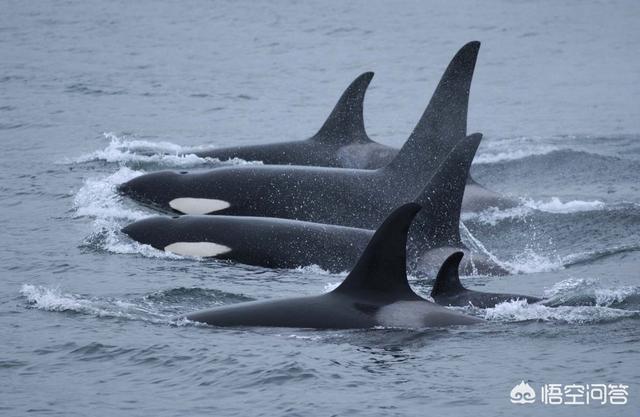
[
  {"x": 375, "y": 293},
  {"x": 347, "y": 197},
  {"x": 341, "y": 142},
  {"x": 448, "y": 290},
  {"x": 282, "y": 243}
]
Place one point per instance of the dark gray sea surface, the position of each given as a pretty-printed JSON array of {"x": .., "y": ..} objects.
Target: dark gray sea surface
[{"x": 94, "y": 93}]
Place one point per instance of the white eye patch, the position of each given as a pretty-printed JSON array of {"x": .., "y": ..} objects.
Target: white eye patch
[
  {"x": 198, "y": 249},
  {"x": 188, "y": 205}
]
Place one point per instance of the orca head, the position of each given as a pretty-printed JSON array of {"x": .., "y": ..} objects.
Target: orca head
[
  {"x": 170, "y": 191},
  {"x": 155, "y": 189},
  {"x": 181, "y": 235},
  {"x": 151, "y": 231}
]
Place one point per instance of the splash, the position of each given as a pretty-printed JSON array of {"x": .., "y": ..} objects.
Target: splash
[
  {"x": 330, "y": 286},
  {"x": 554, "y": 205},
  {"x": 476, "y": 245},
  {"x": 98, "y": 197},
  {"x": 126, "y": 151},
  {"x": 514, "y": 148},
  {"x": 574, "y": 291},
  {"x": 493, "y": 215},
  {"x": 529, "y": 261},
  {"x": 49, "y": 299},
  {"x": 489, "y": 157},
  {"x": 317, "y": 270},
  {"x": 162, "y": 307},
  {"x": 99, "y": 200},
  {"x": 520, "y": 310}
]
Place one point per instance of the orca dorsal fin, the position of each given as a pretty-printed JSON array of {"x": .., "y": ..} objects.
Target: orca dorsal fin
[
  {"x": 448, "y": 279},
  {"x": 382, "y": 267},
  {"x": 444, "y": 121},
  {"x": 438, "y": 223},
  {"x": 345, "y": 124}
]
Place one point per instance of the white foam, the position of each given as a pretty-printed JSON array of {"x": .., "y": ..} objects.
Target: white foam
[
  {"x": 577, "y": 288},
  {"x": 494, "y": 215},
  {"x": 520, "y": 310},
  {"x": 510, "y": 149},
  {"x": 330, "y": 286},
  {"x": 609, "y": 296},
  {"x": 52, "y": 299},
  {"x": 317, "y": 270},
  {"x": 99, "y": 200},
  {"x": 125, "y": 150},
  {"x": 554, "y": 205},
  {"x": 528, "y": 262},
  {"x": 49, "y": 299}
]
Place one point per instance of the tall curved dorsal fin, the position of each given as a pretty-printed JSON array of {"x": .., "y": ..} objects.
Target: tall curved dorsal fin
[
  {"x": 444, "y": 121},
  {"x": 448, "y": 279},
  {"x": 438, "y": 223},
  {"x": 382, "y": 267},
  {"x": 345, "y": 124}
]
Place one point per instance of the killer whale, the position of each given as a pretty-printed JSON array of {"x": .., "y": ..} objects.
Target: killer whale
[
  {"x": 341, "y": 142},
  {"x": 448, "y": 290},
  {"x": 375, "y": 293},
  {"x": 282, "y": 243},
  {"x": 347, "y": 197}
]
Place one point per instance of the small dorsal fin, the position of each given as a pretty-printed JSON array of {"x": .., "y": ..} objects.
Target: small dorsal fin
[
  {"x": 382, "y": 267},
  {"x": 448, "y": 279},
  {"x": 345, "y": 124},
  {"x": 438, "y": 223},
  {"x": 444, "y": 121}
]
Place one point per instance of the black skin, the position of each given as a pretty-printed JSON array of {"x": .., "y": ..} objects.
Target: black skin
[
  {"x": 310, "y": 152},
  {"x": 375, "y": 293},
  {"x": 341, "y": 142},
  {"x": 261, "y": 241},
  {"x": 323, "y": 195},
  {"x": 280, "y": 243},
  {"x": 284, "y": 244}
]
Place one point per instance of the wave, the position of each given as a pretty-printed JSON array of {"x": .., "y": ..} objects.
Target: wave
[
  {"x": 494, "y": 215},
  {"x": 529, "y": 262},
  {"x": 521, "y": 147},
  {"x": 160, "y": 307},
  {"x": 98, "y": 197},
  {"x": 587, "y": 292},
  {"x": 590, "y": 256},
  {"x": 554, "y": 205},
  {"x": 99, "y": 200},
  {"x": 317, "y": 270},
  {"x": 127, "y": 151},
  {"x": 50, "y": 299},
  {"x": 520, "y": 310},
  {"x": 574, "y": 301},
  {"x": 496, "y": 150}
]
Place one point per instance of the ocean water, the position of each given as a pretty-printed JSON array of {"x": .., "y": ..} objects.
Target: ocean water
[{"x": 94, "y": 93}]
